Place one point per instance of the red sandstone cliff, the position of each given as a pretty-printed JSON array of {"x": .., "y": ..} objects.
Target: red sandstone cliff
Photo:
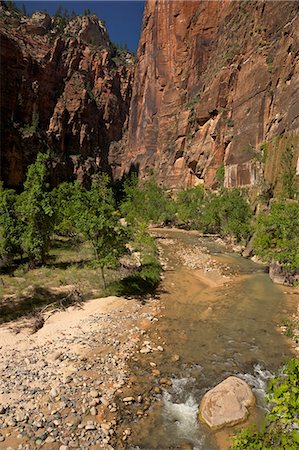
[
  {"x": 62, "y": 88},
  {"x": 215, "y": 81}
]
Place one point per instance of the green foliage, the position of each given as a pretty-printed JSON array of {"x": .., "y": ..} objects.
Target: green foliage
[
  {"x": 284, "y": 395},
  {"x": 289, "y": 173},
  {"x": 10, "y": 227},
  {"x": 146, "y": 202},
  {"x": 12, "y": 6},
  {"x": 277, "y": 234},
  {"x": 36, "y": 211},
  {"x": 189, "y": 204},
  {"x": 281, "y": 427},
  {"x": 96, "y": 218},
  {"x": 227, "y": 213},
  {"x": 146, "y": 279},
  {"x": 220, "y": 173},
  {"x": 29, "y": 129},
  {"x": 64, "y": 200}
]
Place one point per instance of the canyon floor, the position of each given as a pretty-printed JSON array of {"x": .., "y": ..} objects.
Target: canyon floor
[{"x": 89, "y": 378}]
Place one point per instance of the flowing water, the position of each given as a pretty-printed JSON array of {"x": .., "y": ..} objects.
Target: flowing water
[{"x": 218, "y": 329}]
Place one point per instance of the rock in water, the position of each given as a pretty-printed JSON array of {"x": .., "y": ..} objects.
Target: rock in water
[{"x": 226, "y": 403}]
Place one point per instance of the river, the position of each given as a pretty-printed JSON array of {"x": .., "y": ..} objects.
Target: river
[{"x": 219, "y": 317}]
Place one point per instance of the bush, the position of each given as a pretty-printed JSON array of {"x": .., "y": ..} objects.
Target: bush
[
  {"x": 146, "y": 202},
  {"x": 277, "y": 234},
  {"x": 227, "y": 213},
  {"x": 281, "y": 427},
  {"x": 10, "y": 226},
  {"x": 189, "y": 204},
  {"x": 36, "y": 211}
]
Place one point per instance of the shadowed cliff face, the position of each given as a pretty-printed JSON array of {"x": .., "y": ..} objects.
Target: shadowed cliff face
[
  {"x": 64, "y": 90},
  {"x": 214, "y": 82}
]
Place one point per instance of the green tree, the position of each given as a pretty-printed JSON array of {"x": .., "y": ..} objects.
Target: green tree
[
  {"x": 228, "y": 214},
  {"x": 58, "y": 12},
  {"x": 10, "y": 226},
  {"x": 99, "y": 222},
  {"x": 189, "y": 204},
  {"x": 64, "y": 201},
  {"x": 277, "y": 234},
  {"x": 145, "y": 202},
  {"x": 36, "y": 211}
]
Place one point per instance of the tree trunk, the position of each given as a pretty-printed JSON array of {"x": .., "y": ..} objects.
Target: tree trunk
[{"x": 103, "y": 276}]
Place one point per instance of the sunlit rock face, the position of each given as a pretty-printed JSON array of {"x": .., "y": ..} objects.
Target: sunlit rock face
[
  {"x": 64, "y": 91},
  {"x": 214, "y": 82}
]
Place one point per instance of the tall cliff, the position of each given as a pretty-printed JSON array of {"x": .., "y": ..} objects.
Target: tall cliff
[
  {"x": 64, "y": 87},
  {"x": 216, "y": 90}
]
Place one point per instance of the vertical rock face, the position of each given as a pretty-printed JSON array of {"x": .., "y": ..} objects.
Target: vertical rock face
[
  {"x": 215, "y": 82},
  {"x": 61, "y": 89}
]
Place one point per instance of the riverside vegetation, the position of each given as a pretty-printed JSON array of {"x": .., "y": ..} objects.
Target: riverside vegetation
[{"x": 70, "y": 232}]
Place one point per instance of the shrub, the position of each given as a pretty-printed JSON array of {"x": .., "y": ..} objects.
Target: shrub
[
  {"x": 277, "y": 234},
  {"x": 189, "y": 204},
  {"x": 228, "y": 214},
  {"x": 10, "y": 226},
  {"x": 146, "y": 202}
]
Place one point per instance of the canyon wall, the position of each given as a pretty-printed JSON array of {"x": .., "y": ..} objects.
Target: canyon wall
[
  {"x": 215, "y": 96},
  {"x": 64, "y": 88}
]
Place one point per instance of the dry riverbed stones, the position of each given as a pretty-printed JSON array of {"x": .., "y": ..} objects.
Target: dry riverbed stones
[{"x": 62, "y": 394}]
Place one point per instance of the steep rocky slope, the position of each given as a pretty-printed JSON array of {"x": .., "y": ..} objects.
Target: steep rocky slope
[
  {"x": 216, "y": 86},
  {"x": 64, "y": 87}
]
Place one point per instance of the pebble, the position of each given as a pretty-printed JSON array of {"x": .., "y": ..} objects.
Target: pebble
[
  {"x": 128, "y": 399},
  {"x": 145, "y": 350},
  {"x": 54, "y": 392},
  {"x": 94, "y": 393},
  {"x": 93, "y": 411}
]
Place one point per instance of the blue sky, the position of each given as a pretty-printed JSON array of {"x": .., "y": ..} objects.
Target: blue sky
[{"x": 123, "y": 18}]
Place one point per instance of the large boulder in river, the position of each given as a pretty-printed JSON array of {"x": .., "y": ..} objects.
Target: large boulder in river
[{"x": 226, "y": 403}]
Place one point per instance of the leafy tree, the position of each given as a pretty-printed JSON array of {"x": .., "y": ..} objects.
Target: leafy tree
[
  {"x": 282, "y": 422},
  {"x": 98, "y": 220},
  {"x": 228, "y": 214},
  {"x": 189, "y": 203},
  {"x": 146, "y": 202},
  {"x": 64, "y": 200},
  {"x": 10, "y": 226},
  {"x": 36, "y": 211},
  {"x": 277, "y": 234},
  {"x": 58, "y": 12}
]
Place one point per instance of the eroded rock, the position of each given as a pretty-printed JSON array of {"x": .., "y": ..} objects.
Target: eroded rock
[{"x": 227, "y": 403}]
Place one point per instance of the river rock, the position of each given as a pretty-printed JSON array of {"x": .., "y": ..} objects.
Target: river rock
[
  {"x": 226, "y": 403},
  {"x": 281, "y": 275}
]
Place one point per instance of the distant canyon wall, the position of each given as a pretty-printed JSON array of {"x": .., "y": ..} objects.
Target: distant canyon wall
[
  {"x": 215, "y": 93},
  {"x": 63, "y": 88}
]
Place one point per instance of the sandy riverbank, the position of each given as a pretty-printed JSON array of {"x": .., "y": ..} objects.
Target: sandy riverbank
[{"x": 57, "y": 385}]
